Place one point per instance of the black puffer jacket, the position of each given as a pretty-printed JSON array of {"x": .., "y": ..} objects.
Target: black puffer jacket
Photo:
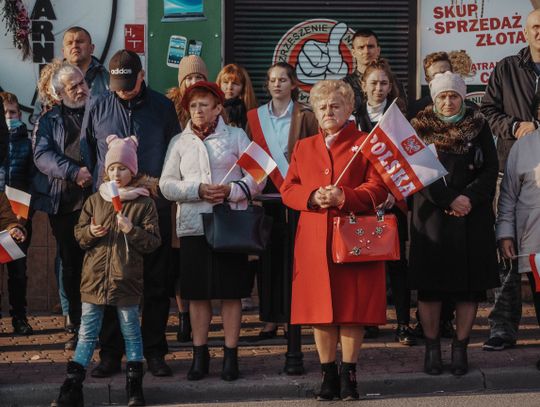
[
  {"x": 510, "y": 98},
  {"x": 16, "y": 170}
]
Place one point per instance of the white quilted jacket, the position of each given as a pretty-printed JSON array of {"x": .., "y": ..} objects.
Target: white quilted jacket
[{"x": 191, "y": 161}]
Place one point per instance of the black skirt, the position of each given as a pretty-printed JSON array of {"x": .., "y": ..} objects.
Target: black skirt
[{"x": 207, "y": 275}]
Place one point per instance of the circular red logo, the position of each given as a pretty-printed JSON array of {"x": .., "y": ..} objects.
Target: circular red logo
[{"x": 317, "y": 49}]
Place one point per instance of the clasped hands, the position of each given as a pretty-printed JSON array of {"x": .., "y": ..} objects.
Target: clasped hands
[
  {"x": 17, "y": 234},
  {"x": 124, "y": 224},
  {"x": 327, "y": 197},
  {"x": 214, "y": 193},
  {"x": 461, "y": 206}
]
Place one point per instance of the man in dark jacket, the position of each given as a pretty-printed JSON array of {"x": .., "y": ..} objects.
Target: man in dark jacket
[
  {"x": 365, "y": 50},
  {"x": 15, "y": 172},
  {"x": 131, "y": 108},
  {"x": 62, "y": 181},
  {"x": 511, "y": 106}
]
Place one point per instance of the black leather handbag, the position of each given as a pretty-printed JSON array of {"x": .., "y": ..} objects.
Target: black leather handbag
[{"x": 237, "y": 231}]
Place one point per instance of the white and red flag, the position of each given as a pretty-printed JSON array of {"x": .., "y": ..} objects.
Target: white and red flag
[
  {"x": 257, "y": 162},
  {"x": 404, "y": 162},
  {"x": 19, "y": 201},
  {"x": 115, "y": 196},
  {"x": 9, "y": 250},
  {"x": 534, "y": 259}
]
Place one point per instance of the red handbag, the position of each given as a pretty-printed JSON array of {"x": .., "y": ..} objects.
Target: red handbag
[{"x": 362, "y": 238}]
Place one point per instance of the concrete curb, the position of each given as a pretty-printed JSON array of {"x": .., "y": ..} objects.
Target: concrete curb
[{"x": 279, "y": 387}]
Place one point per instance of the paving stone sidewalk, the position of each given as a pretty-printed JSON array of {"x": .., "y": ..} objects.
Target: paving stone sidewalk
[{"x": 33, "y": 367}]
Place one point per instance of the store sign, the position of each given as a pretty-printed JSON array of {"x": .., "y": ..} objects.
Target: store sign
[
  {"x": 318, "y": 49},
  {"x": 134, "y": 38},
  {"x": 480, "y": 32}
]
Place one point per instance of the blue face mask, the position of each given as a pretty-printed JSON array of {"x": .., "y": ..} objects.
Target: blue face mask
[{"x": 13, "y": 123}]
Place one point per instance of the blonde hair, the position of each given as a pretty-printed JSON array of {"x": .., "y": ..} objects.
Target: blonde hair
[
  {"x": 324, "y": 89},
  {"x": 238, "y": 74}
]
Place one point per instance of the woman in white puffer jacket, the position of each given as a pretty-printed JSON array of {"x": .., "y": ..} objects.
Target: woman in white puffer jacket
[{"x": 196, "y": 162}]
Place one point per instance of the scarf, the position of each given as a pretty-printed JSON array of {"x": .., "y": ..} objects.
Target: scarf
[
  {"x": 203, "y": 131},
  {"x": 127, "y": 193},
  {"x": 451, "y": 119}
]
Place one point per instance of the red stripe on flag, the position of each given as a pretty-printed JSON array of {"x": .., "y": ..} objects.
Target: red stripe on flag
[
  {"x": 19, "y": 209},
  {"x": 252, "y": 167},
  {"x": 4, "y": 255},
  {"x": 258, "y": 136},
  {"x": 391, "y": 165},
  {"x": 117, "y": 203},
  {"x": 532, "y": 260}
]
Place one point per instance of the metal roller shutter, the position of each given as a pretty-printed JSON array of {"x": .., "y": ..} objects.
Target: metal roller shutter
[{"x": 253, "y": 28}]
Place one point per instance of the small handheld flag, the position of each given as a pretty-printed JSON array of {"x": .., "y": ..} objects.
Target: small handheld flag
[
  {"x": 256, "y": 162},
  {"x": 9, "y": 250},
  {"x": 115, "y": 196},
  {"x": 19, "y": 201}
]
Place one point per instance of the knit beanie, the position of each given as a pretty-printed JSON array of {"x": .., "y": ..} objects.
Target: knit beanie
[
  {"x": 123, "y": 151},
  {"x": 448, "y": 81},
  {"x": 189, "y": 65}
]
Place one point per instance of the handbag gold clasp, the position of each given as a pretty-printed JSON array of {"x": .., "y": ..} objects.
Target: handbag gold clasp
[
  {"x": 380, "y": 215},
  {"x": 352, "y": 219}
]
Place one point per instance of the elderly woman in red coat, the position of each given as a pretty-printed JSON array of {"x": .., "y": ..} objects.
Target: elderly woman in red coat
[{"x": 337, "y": 299}]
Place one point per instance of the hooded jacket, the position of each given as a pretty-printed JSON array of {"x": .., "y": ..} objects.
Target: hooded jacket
[{"x": 112, "y": 274}]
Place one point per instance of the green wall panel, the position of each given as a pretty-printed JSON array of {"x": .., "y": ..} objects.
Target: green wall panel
[{"x": 161, "y": 76}]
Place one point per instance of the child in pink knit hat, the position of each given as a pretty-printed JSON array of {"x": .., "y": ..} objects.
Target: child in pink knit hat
[{"x": 112, "y": 273}]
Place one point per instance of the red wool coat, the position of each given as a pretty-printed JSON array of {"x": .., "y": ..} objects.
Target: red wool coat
[{"x": 324, "y": 292}]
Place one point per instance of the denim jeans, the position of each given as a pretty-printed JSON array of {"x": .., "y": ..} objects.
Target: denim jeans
[
  {"x": 64, "y": 302},
  {"x": 91, "y": 319}
]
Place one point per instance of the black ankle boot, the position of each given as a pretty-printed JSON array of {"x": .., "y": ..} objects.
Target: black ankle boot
[
  {"x": 134, "y": 379},
  {"x": 460, "y": 365},
  {"x": 199, "y": 366},
  {"x": 347, "y": 380},
  {"x": 432, "y": 358},
  {"x": 184, "y": 327},
  {"x": 71, "y": 394},
  {"x": 330, "y": 382},
  {"x": 230, "y": 364}
]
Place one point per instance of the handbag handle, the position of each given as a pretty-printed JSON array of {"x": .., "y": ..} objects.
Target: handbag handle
[
  {"x": 378, "y": 212},
  {"x": 245, "y": 189}
]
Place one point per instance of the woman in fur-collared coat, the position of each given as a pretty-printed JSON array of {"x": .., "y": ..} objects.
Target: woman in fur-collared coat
[{"x": 453, "y": 251}]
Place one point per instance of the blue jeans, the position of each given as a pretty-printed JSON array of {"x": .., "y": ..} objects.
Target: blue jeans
[
  {"x": 64, "y": 302},
  {"x": 91, "y": 319}
]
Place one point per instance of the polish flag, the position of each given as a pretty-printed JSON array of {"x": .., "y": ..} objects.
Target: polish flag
[
  {"x": 19, "y": 201},
  {"x": 534, "y": 259},
  {"x": 9, "y": 250},
  {"x": 401, "y": 158},
  {"x": 256, "y": 162},
  {"x": 115, "y": 196}
]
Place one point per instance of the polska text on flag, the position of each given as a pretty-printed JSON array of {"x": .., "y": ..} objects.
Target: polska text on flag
[
  {"x": 257, "y": 162},
  {"x": 9, "y": 250},
  {"x": 115, "y": 196},
  {"x": 19, "y": 201},
  {"x": 400, "y": 157}
]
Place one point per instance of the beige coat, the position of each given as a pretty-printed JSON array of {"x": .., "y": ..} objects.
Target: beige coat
[{"x": 519, "y": 202}]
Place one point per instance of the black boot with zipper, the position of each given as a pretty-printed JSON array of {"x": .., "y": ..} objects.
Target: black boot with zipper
[
  {"x": 71, "y": 393},
  {"x": 460, "y": 364},
  {"x": 432, "y": 358},
  {"x": 134, "y": 379},
  {"x": 330, "y": 382},
  {"x": 199, "y": 366},
  {"x": 230, "y": 370},
  {"x": 347, "y": 379}
]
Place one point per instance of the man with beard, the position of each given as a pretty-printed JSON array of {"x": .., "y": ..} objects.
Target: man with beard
[{"x": 62, "y": 181}]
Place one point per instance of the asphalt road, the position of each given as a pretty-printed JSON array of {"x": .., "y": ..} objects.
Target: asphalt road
[{"x": 463, "y": 400}]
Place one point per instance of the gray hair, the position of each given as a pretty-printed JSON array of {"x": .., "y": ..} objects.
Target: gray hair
[
  {"x": 328, "y": 87},
  {"x": 56, "y": 85}
]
